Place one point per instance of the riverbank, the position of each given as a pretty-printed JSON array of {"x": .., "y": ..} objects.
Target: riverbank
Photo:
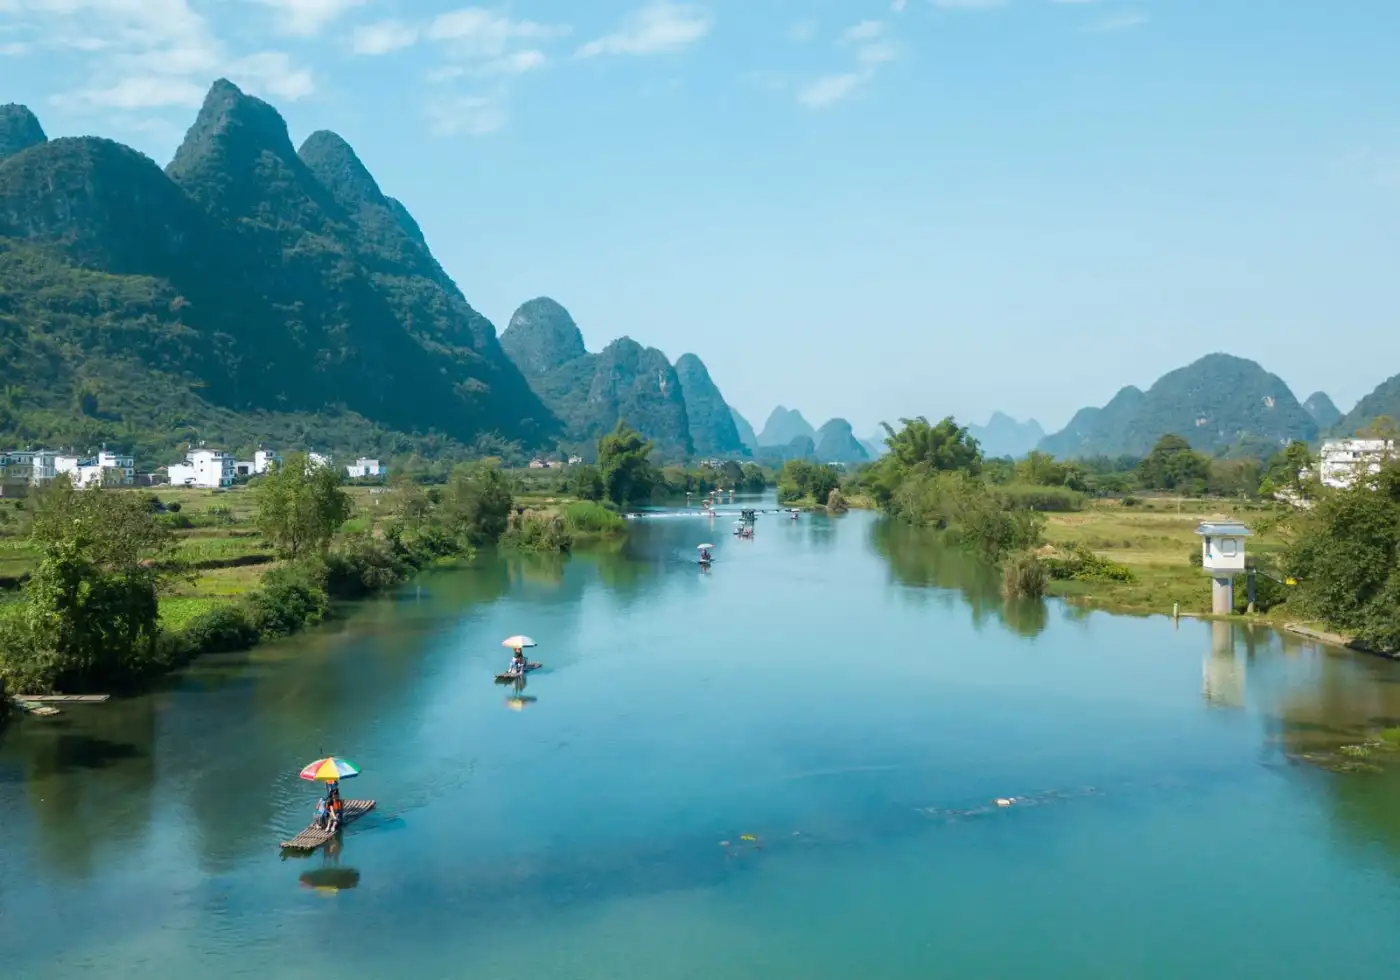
[
  {"x": 1154, "y": 540},
  {"x": 231, "y": 591}
]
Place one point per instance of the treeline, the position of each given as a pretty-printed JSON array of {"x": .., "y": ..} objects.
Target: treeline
[
  {"x": 1343, "y": 553},
  {"x": 88, "y": 617}
]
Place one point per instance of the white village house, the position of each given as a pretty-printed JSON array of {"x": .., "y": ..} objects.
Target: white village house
[
  {"x": 262, "y": 461},
  {"x": 365, "y": 468},
  {"x": 105, "y": 469},
  {"x": 1341, "y": 460},
  {"x": 212, "y": 468}
]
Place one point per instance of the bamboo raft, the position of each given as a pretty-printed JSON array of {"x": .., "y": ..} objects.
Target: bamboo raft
[
  {"x": 313, "y": 836},
  {"x": 66, "y": 698}
]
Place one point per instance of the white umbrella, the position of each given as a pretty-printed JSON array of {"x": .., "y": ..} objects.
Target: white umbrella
[
  {"x": 704, "y": 547},
  {"x": 519, "y": 642}
]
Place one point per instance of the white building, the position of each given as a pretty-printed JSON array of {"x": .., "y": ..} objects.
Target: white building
[
  {"x": 203, "y": 468},
  {"x": 38, "y": 466},
  {"x": 364, "y": 468},
  {"x": 318, "y": 459},
  {"x": 1342, "y": 459},
  {"x": 265, "y": 459},
  {"x": 108, "y": 461}
]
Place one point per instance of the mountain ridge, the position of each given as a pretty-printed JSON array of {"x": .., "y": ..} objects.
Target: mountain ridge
[{"x": 235, "y": 285}]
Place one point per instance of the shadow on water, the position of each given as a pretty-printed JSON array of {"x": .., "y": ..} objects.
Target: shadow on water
[{"x": 918, "y": 558}]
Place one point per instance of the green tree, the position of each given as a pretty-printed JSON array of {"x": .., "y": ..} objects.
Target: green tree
[
  {"x": 1174, "y": 465},
  {"x": 89, "y": 614},
  {"x": 477, "y": 503},
  {"x": 1345, "y": 556},
  {"x": 1288, "y": 469},
  {"x": 408, "y": 501},
  {"x": 1042, "y": 470},
  {"x": 800, "y": 479},
  {"x": 945, "y": 446},
  {"x": 301, "y": 505},
  {"x": 624, "y": 461},
  {"x": 585, "y": 482}
]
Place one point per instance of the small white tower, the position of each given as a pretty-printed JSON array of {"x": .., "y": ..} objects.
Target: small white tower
[{"x": 1222, "y": 558}]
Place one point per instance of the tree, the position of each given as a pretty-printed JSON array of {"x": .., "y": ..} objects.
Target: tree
[
  {"x": 800, "y": 478},
  {"x": 1288, "y": 469},
  {"x": 410, "y": 504},
  {"x": 1345, "y": 556},
  {"x": 585, "y": 482},
  {"x": 1174, "y": 465},
  {"x": 301, "y": 505},
  {"x": 624, "y": 461},
  {"x": 1042, "y": 470},
  {"x": 945, "y": 446},
  {"x": 477, "y": 502},
  {"x": 90, "y": 613}
]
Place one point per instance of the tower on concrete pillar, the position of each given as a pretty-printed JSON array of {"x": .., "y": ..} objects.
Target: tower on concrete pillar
[{"x": 1222, "y": 558}]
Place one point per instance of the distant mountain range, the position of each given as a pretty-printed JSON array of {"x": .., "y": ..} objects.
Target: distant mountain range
[
  {"x": 677, "y": 407},
  {"x": 1004, "y": 436},
  {"x": 1219, "y": 404}
]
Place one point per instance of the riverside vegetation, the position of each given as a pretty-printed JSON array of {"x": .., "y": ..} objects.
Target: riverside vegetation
[
  {"x": 1121, "y": 532},
  {"x": 120, "y": 586}
]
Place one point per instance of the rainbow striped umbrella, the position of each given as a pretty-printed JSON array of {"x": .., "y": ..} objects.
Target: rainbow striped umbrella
[{"x": 328, "y": 769}]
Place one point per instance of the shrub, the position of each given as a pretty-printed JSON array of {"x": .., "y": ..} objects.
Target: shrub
[
  {"x": 1084, "y": 565},
  {"x": 1131, "y": 501},
  {"x": 533, "y": 531},
  {"x": 173, "y": 507},
  {"x": 221, "y": 630},
  {"x": 835, "y": 503},
  {"x": 1268, "y": 593},
  {"x": 1023, "y": 576},
  {"x": 174, "y": 521},
  {"x": 291, "y": 597},
  {"x": 588, "y": 517},
  {"x": 1045, "y": 499},
  {"x": 363, "y": 564},
  {"x": 1196, "y": 560}
]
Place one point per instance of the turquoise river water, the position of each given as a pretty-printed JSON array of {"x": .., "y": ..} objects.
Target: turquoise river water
[{"x": 845, "y": 692}]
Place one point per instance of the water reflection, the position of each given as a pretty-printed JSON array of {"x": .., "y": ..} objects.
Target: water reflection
[
  {"x": 1222, "y": 681},
  {"x": 917, "y": 557}
]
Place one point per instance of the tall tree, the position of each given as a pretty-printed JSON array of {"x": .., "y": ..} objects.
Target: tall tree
[
  {"x": 945, "y": 446},
  {"x": 301, "y": 505},
  {"x": 624, "y": 460},
  {"x": 1174, "y": 465},
  {"x": 89, "y": 615},
  {"x": 478, "y": 502}
]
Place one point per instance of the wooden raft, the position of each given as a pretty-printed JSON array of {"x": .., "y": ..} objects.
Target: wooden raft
[
  {"x": 64, "y": 698},
  {"x": 313, "y": 836}
]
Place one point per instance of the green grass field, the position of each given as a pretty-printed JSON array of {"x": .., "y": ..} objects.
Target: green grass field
[{"x": 1155, "y": 540}]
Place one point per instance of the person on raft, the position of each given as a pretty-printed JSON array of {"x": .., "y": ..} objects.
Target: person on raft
[
  {"x": 517, "y": 663},
  {"x": 328, "y": 809},
  {"x": 705, "y": 555}
]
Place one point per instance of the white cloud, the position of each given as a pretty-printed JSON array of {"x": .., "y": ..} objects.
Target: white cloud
[
  {"x": 516, "y": 63},
  {"x": 969, "y": 4},
  {"x": 271, "y": 73},
  {"x": 383, "y": 37},
  {"x": 871, "y": 47},
  {"x": 830, "y": 88},
  {"x": 139, "y": 92},
  {"x": 473, "y": 115},
  {"x": 660, "y": 26},
  {"x": 307, "y": 18},
  {"x": 898, "y": 5},
  {"x": 864, "y": 31},
  {"x": 13, "y": 49},
  {"x": 803, "y": 31},
  {"x": 475, "y": 32},
  {"x": 1117, "y": 22},
  {"x": 157, "y": 54}
]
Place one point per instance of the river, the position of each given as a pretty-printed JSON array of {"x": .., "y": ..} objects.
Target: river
[{"x": 847, "y": 693}]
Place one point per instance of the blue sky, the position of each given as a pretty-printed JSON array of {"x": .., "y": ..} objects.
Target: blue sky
[{"x": 852, "y": 207}]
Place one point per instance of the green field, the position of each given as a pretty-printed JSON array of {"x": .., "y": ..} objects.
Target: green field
[{"x": 1155, "y": 540}]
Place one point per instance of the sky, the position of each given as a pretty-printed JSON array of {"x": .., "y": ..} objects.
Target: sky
[{"x": 862, "y": 208}]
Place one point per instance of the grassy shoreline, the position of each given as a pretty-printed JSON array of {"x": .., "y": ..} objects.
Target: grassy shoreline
[{"x": 1154, "y": 541}]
